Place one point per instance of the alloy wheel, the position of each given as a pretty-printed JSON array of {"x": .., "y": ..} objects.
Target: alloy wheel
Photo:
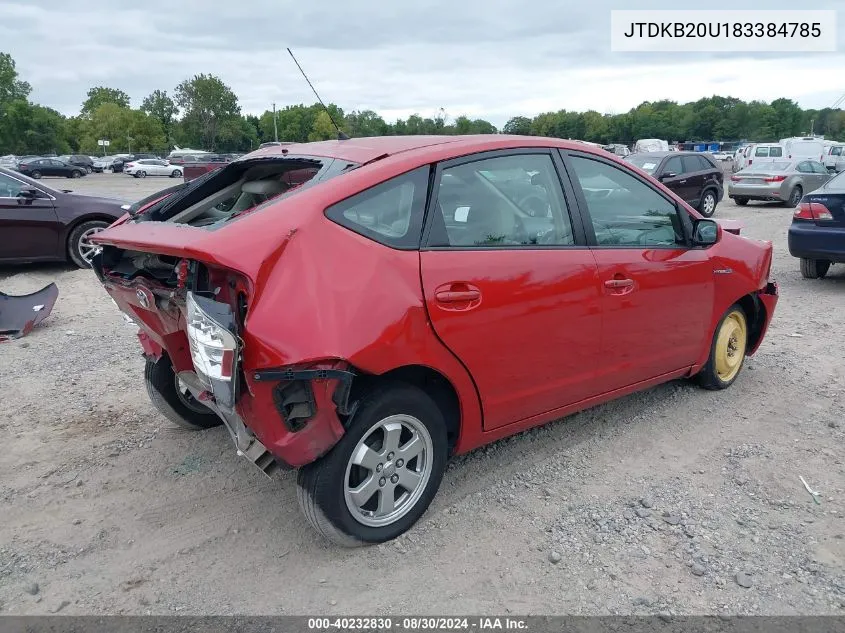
[
  {"x": 388, "y": 470},
  {"x": 708, "y": 205},
  {"x": 86, "y": 249}
]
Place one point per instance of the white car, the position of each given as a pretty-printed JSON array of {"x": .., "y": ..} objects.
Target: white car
[
  {"x": 723, "y": 156},
  {"x": 152, "y": 167}
]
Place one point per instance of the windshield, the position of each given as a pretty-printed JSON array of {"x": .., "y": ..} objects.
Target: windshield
[
  {"x": 647, "y": 163},
  {"x": 779, "y": 165}
]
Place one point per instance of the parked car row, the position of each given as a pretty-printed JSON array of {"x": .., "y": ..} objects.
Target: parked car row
[{"x": 830, "y": 154}]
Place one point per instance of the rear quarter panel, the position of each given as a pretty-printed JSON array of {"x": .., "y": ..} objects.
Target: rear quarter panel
[{"x": 333, "y": 294}]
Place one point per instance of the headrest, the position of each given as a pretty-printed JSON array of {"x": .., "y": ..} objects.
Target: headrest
[{"x": 263, "y": 187}]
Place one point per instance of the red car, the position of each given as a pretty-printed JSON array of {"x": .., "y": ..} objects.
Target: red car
[{"x": 419, "y": 297}]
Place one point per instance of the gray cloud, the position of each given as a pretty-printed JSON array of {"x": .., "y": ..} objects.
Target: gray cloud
[{"x": 490, "y": 59}]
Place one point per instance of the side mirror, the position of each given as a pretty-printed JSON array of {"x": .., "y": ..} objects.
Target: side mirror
[
  {"x": 29, "y": 193},
  {"x": 705, "y": 232}
]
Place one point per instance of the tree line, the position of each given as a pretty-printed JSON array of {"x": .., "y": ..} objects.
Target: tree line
[{"x": 203, "y": 112}]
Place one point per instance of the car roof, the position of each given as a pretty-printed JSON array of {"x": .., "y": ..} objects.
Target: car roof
[
  {"x": 669, "y": 153},
  {"x": 363, "y": 150}
]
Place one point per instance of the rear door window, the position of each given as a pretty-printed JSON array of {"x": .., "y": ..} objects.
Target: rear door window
[
  {"x": 691, "y": 163},
  {"x": 776, "y": 152},
  {"x": 703, "y": 163},
  {"x": 761, "y": 152},
  {"x": 390, "y": 213},
  {"x": 501, "y": 202}
]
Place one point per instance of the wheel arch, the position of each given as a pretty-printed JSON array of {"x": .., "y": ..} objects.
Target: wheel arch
[
  {"x": 99, "y": 217},
  {"x": 429, "y": 380},
  {"x": 755, "y": 314}
]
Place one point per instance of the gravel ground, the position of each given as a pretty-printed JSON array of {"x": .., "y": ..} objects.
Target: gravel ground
[{"x": 675, "y": 500}]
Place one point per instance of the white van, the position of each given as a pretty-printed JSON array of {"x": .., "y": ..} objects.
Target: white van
[
  {"x": 741, "y": 157},
  {"x": 763, "y": 153},
  {"x": 651, "y": 145},
  {"x": 834, "y": 157},
  {"x": 808, "y": 147}
]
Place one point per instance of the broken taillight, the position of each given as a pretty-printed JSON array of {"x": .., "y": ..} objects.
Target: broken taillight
[
  {"x": 812, "y": 211},
  {"x": 213, "y": 345}
]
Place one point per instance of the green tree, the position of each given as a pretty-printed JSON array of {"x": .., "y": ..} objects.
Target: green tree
[
  {"x": 11, "y": 88},
  {"x": 788, "y": 118},
  {"x": 323, "y": 129},
  {"x": 26, "y": 128},
  {"x": 99, "y": 95},
  {"x": 162, "y": 107},
  {"x": 207, "y": 103},
  {"x": 518, "y": 125},
  {"x": 365, "y": 123}
]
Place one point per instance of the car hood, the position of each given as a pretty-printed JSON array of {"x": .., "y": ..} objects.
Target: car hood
[{"x": 113, "y": 204}]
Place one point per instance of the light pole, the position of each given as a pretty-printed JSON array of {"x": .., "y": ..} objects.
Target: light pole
[{"x": 275, "y": 125}]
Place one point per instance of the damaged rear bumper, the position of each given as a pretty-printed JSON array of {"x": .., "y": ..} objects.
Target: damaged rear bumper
[
  {"x": 284, "y": 418},
  {"x": 19, "y": 314}
]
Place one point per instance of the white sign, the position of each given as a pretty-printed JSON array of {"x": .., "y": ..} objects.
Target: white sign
[{"x": 103, "y": 143}]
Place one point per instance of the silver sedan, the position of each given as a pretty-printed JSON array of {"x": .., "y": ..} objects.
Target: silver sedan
[{"x": 780, "y": 181}]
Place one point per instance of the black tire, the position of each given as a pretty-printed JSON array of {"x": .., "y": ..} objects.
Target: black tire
[
  {"x": 182, "y": 410},
  {"x": 709, "y": 377},
  {"x": 76, "y": 174},
  {"x": 36, "y": 174},
  {"x": 79, "y": 234},
  {"x": 814, "y": 268},
  {"x": 320, "y": 485},
  {"x": 140, "y": 174},
  {"x": 89, "y": 169},
  {"x": 794, "y": 196},
  {"x": 175, "y": 173},
  {"x": 707, "y": 196},
  {"x": 741, "y": 201}
]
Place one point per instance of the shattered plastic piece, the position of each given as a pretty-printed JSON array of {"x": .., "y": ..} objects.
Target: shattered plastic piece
[
  {"x": 814, "y": 494},
  {"x": 20, "y": 313}
]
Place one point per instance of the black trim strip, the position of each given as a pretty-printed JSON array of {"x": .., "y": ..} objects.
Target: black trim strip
[{"x": 302, "y": 374}]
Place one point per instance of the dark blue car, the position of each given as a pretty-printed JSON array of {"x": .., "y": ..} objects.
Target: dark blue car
[{"x": 817, "y": 234}]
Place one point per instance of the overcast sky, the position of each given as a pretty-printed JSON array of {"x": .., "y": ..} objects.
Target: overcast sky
[{"x": 483, "y": 58}]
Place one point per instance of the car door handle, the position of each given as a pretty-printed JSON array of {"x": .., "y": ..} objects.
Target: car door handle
[
  {"x": 456, "y": 296},
  {"x": 618, "y": 284},
  {"x": 680, "y": 182}
]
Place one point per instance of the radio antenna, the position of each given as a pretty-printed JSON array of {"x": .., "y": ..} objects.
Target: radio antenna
[{"x": 340, "y": 134}]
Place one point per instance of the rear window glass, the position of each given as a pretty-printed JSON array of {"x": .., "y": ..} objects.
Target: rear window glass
[
  {"x": 775, "y": 151},
  {"x": 779, "y": 165},
  {"x": 390, "y": 213},
  {"x": 835, "y": 151},
  {"x": 647, "y": 163}
]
